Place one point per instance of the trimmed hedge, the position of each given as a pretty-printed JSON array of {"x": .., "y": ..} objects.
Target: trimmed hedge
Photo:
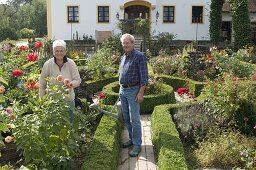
[
  {"x": 150, "y": 101},
  {"x": 105, "y": 148},
  {"x": 92, "y": 87},
  {"x": 194, "y": 86},
  {"x": 167, "y": 144}
]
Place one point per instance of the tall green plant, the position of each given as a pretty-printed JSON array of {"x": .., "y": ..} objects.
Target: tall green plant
[
  {"x": 44, "y": 132},
  {"x": 241, "y": 23},
  {"x": 215, "y": 20}
]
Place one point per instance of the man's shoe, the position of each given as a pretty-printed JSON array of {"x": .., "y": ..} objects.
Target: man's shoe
[
  {"x": 135, "y": 152},
  {"x": 127, "y": 144}
]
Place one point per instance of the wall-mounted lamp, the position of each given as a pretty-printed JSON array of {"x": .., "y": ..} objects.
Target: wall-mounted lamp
[
  {"x": 117, "y": 16},
  {"x": 157, "y": 16}
]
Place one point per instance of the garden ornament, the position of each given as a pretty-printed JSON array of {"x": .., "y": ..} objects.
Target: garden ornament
[{"x": 117, "y": 107}]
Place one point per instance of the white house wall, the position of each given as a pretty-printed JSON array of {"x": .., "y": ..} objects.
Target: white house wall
[{"x": 183, "y": 27}]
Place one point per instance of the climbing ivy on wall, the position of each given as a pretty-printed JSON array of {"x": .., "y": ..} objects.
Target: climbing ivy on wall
[
  {"x": 215, "y": 20},
  {"x": 241, "y": 23}
]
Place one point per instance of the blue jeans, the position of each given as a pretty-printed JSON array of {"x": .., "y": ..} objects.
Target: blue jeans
[{"x": 131, "y": 113}]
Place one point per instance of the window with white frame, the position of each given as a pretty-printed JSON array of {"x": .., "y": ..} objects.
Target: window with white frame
[
  {"x": 73, "y": 14},
  {"x": 103, "y": 13},
  {"x": 168, "y": 15}
]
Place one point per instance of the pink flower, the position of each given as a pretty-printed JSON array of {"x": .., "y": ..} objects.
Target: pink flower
[
  {"x": 253, "y": 77},
  {"x": 66, "y": 81},
  {"x": 71, "y": 85},
  {"x": 17, "y": 72},
  {"x": 2, "y": 89},
  {"x": 8, "y": 139},
  {"x": 60, "y": 78},
  {"x": 9, "y": 110}
]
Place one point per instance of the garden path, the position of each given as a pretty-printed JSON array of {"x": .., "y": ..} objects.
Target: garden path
[{"x": 146, "y": 159}]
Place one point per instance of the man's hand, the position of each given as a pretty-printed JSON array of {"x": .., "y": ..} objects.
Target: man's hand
[
  {"x": 140, "y": 95},
  {"x": 139, "y": 98}
]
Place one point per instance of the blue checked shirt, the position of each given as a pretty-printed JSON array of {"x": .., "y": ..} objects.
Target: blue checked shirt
[{"x": 133, "y": 69}]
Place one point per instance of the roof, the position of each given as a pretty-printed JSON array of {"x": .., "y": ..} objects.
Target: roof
[{"x": 251, "y": 6}]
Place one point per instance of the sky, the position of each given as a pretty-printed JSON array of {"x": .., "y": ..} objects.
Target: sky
[{"x": 2, "y": 1}]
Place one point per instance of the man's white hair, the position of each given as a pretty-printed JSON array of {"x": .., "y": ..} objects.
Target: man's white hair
[
  {"x": 58, "y": 43},
  {"x": 124, "y": 36}
]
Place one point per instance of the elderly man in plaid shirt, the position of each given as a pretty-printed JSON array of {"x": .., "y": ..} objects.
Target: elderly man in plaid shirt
[{"x": 133, "y": 78}]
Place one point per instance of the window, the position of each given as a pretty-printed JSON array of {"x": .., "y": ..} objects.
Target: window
[
  {"x": 103, "y": 13},
  {"x": 197, "y": 14},
  {"x": 73, "y": 14},
  {"x": 168, "y": 14}
]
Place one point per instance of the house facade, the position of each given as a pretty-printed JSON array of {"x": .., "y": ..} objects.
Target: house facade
[{"x": 75, "y": 19}]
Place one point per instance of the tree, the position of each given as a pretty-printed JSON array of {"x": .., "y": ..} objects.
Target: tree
[{"x": 215, "y": 20}]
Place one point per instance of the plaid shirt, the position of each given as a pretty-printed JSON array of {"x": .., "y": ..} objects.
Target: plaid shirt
[{"x": 133, "y": 69}]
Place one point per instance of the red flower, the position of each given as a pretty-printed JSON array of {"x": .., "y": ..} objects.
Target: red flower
[
  {"x": 22, "y": 48},
  {"x": 209, "y": 56},
  {"x": 182, "y": 90},
  {"x": 101, "y": 95},
  {"x": 32, "y": 57},
  {"x": 17, "y": 72},
  {"x": 39, "y": 44}
]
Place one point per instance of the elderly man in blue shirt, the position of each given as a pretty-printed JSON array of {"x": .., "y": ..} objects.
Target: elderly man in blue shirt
[{"x": 133, "y": 78}]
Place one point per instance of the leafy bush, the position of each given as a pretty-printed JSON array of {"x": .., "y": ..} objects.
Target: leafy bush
[
  {"x": 231, "y": 63},
  {"x": 247, "y": 55},
  {"x": 26, "y": 33},
  {"x": 8, "y": 33},
  {"x": 103, "y": 63},
  {"x": 192, "y": 121},
  {"x": 114, "y": 44},
  {"x": 223, "y": 149},
  {"x": 231, "y": 102},
  {"x": 161, "y": 42},
  {"x": 167, "y": 144},
  {"x": 165, "y": 64}
]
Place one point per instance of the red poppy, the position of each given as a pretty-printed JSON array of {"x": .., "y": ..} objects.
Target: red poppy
[
  {"x": 17, "y": 72},
  {"x": 39, "y": 44},
  {"x": 32, "y": 57}
]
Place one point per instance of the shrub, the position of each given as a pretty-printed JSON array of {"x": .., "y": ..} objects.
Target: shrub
[
  {"x": 150, "y": 100},
  {"x": 167, "y": 145},
  {"x": 9, "y": 33},
  {"x": 26, "y": 33},
  {"x": 231, "y": 102},
  {"x": 192, "y": 121},
  {"x": 161, "y": 42},
  {"x": 113, "y": 43},
  {"x": 223, "y": 149},
  {"x": 165, "y": 64},
  {"x": 103, "y": 64}
]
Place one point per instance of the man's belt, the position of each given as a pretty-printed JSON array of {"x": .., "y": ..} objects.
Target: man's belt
[{"x": 129, "y": 85}]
